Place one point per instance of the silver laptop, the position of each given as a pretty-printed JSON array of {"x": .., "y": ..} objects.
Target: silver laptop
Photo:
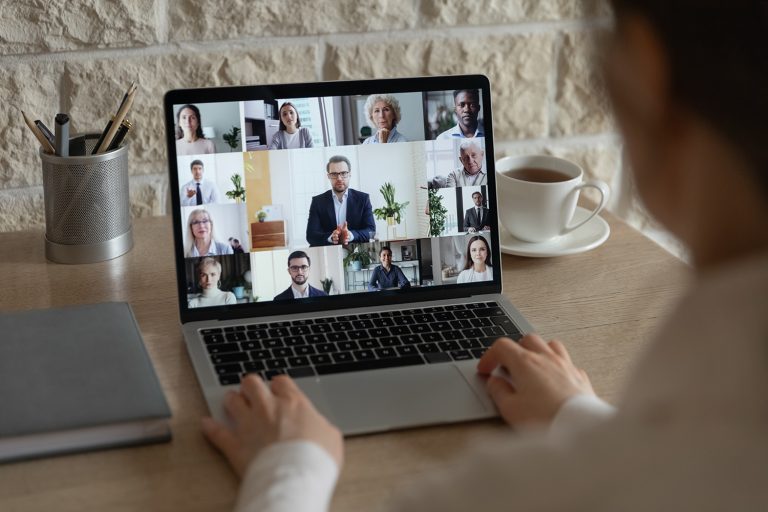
[{"x": 344, "y": 233}]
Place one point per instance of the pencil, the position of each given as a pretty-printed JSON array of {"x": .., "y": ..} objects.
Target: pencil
[{"x": 47, "y": 147}]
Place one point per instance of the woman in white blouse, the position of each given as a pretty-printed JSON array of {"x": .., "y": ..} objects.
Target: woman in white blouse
[
  {"x": 189, "y": 133},
  {"x": 209, "y": 279},
  {"x": 478, "y": 262}
]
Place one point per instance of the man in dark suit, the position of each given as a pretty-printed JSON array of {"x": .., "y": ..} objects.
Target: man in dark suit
[
  {"x": 477, "y": 218},
  {"x": 340, "y": 215},
  {"x": 298, "y": 268}
]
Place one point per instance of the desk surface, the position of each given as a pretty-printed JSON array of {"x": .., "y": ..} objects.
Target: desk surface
[{"x": 603, "y": 304}]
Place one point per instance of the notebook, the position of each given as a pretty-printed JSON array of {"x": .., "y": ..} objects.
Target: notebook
[
  {"x": 75, "y": 379},
  {"x": 344, "y": 233}
]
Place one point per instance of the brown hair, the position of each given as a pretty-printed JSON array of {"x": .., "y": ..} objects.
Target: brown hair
[
  {"x": 718, "y": 65},
  {"x": 280, "y": 116},
  {"x": 469, "y": 253}
]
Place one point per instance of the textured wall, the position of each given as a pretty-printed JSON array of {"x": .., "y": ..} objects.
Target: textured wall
[{"x": 79, "y": 57}]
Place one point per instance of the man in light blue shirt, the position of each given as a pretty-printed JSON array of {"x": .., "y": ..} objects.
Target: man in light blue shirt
[
  {"x": 467, "y": 108},
  {"x": 198, "y": 191}
]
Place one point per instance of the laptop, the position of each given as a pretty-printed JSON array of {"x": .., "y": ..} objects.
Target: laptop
[{"x": 324, "y": 230}]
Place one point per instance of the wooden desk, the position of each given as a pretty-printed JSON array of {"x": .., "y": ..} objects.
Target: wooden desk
[{"x": 603, "y": 304}]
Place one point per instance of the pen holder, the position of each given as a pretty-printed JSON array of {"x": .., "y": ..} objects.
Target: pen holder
[{"x": 87, "y": 208}]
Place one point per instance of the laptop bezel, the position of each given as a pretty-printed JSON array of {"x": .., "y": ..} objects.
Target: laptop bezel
[{"x": 324, "y": 89}]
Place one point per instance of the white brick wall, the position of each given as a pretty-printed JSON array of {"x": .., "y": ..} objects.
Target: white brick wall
[{"x": 79, "y": 57}]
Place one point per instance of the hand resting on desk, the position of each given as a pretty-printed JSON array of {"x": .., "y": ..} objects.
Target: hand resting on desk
[{"x": 541, "y": 378}]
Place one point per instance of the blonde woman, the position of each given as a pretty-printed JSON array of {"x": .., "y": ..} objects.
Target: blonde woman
[
  {"x": 200, "y": 237},
  {"x": 478, "y": 262},
  {"x": 383, "y": 115},
  {"x": 209, "y": 280}
]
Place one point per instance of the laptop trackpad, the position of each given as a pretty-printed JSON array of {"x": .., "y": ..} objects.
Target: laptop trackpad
[{"x": 380, "y": 400}]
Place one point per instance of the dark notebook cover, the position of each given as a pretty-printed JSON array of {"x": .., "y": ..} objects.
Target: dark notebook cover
[{"x": 76, "y": 378}]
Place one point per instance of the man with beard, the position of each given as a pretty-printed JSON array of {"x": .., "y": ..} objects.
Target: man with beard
[
  {"x": 340, "y": 215},
  {"x": 298, "y": 268},
  {"x": 471, "y": 173},
  {"x": 467, "y": 108}
]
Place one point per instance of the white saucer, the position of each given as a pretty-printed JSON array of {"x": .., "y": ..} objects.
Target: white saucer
[{"x": 590, "y": 235}]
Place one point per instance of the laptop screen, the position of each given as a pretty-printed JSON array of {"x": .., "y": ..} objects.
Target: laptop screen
[{"x": 285, "y": 200}]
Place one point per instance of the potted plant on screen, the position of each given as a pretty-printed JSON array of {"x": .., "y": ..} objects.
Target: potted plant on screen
[
  {"x": 327, "y": 284},
  {"x": 437, "y": 213},
  {"x": 232, "y": 138},
  {"x": 238, "y": 193},
  {"x": 357, "y": 257},
  {"x": 392, "y": 210}
]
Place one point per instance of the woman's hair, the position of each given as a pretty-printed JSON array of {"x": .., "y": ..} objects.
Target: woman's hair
[
  {"x": 208, "y": 262},
  {"x": 190, "y": 234},
  {"x": 468, "y": 258},
  {"x": 718, "y": 64},
  {"x": 280, "y": 116},
  {"x": 389, "y": 100},
  {"x": 199, "y": 132}
]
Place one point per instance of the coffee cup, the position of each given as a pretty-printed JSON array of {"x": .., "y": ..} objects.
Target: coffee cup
[{"x": 538, "y": 196}]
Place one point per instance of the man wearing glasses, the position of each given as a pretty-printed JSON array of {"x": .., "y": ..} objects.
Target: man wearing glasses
[
  {"x": 467, "y": 108},
  {"x": 298, "y": 268},
  {"x": 340, "y": 215}
]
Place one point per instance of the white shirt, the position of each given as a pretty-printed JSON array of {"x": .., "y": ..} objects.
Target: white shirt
[
  {"x": 199, "y": 147},
  {"x": 690, "y": 433},
  {"x": 340, "y": 207},
  {"x": 292, "y": 140},
  {"x": 298, "y": 294},
  {"x": 207, "y": 188},
  {"x": 217, "y": 298},
  {"x": 471, "y": 276}
]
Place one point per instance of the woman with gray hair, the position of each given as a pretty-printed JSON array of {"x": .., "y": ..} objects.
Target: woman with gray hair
[{"x": 383, "y": 115}]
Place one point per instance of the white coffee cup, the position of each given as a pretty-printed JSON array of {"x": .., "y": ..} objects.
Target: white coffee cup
[{"x": 538, "y": 196}]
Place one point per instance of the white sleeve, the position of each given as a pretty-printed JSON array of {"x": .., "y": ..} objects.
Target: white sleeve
[
  {"x": 578, "y": 413},
  {"x": 295, "y": 476}
]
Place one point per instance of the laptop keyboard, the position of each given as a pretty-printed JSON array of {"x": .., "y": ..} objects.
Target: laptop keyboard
[{"x": 350, "y": 343}]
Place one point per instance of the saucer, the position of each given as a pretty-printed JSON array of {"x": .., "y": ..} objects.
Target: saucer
[{"x": 590, "y": 235}]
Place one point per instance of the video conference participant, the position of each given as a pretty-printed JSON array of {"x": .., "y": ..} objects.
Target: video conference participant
[
  {"x": 478, "y": 217},
  {"x": 209, "y": 280},
  {"x": 291, "y": 134},
  {"x": 189, "y": 133},
  {"x": 200, "y": 237},
  {"x": 298, "y": 268},
  {"x": 472, "y": 171},
  {"x": 383, "y": 115},
  {"x": 387, "y": 275},
  {"x": 467, "y": 108},
  {"x": 198, "y": 191},
  {"x": 478, "y": 261},
  {"x": 340, "y": 215}
]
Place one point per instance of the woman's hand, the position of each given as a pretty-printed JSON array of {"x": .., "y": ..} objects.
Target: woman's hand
[
  {"x": 262, "y": 414},
  {"x": 539, "y": 378}
]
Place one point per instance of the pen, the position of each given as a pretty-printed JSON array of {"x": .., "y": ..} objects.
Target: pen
[
  {"x": 62, "y": 134},
  {"x": 47, "y": 146},
  {"x": 45, "y": 131},
  {"x": 125, "y": 127},
  {"x": 103, "y": 135},
  {"x": 125, "y": 106}
]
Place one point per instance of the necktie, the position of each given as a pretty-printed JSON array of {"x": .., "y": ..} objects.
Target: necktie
[
  {"x": 479, "y": 220},
  {"x": 199, "y": 195}
]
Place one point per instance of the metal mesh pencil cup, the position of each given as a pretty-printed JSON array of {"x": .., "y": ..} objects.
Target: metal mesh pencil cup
[{"x": 87, "y": 208}]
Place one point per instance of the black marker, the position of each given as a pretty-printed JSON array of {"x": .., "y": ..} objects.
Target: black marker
[{"x": 62, "y": 134}]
